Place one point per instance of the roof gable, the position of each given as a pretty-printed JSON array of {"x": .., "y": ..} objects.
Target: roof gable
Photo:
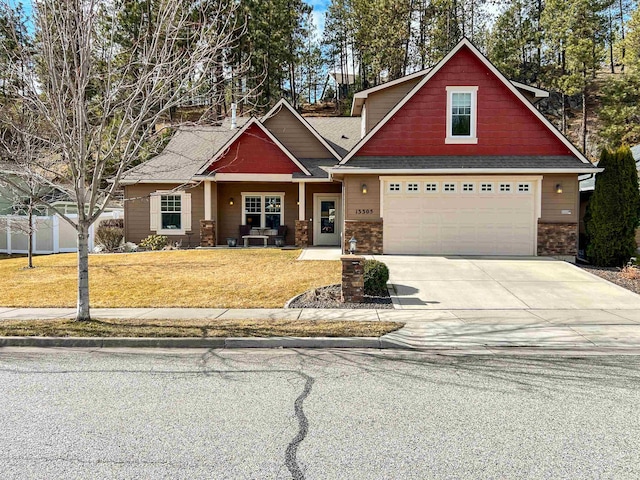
[
  {"x": 253, "y": 149},
  {"x": 508, "y": 124}
]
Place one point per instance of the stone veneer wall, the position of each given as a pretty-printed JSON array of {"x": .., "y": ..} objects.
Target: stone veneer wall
[
  {"x": 207, "y": 233},
  {"x": 302, "y": 233},
  {"x": 367, "y": 234},
  {"x": 352, "y": 278},
  {"x": 557, "y": 238}
]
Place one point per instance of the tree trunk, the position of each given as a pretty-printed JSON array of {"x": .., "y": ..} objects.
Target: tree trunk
[
  {"x": 584, "y": 119},
  {"x": 82, "y": 313},
  {"x": 564, "y": 114},
  {"x": 30, "y": 231}
]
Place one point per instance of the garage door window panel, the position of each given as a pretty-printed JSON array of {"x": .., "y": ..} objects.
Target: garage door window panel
[
  {"x": 524, "y": 187},
  {"x": 413, "y": 187},
  {"x": 449, "y": 188},
  {"x": 505, "y": 188},
  {"x": 393, "y": 187},
  {"x": 468, "y": 187},
  {"x": 486, "y": 187}
]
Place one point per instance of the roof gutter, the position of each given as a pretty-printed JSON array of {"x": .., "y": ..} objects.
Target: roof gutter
[{"x": 341, "y": 170}]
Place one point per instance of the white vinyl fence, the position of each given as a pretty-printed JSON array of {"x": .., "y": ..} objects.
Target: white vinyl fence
[{"x": 53, "y": 234}]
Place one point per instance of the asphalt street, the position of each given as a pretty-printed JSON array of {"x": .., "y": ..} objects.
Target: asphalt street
[{"x": 271, "y": 414}]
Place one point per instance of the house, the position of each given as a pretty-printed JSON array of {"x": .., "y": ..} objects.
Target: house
[{"x": 451, "y": 160}]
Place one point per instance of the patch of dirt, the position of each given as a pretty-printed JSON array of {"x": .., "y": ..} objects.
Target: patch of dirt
[
  {"x": 623, "y": 277},
  {"x": 329, "y": 297}
]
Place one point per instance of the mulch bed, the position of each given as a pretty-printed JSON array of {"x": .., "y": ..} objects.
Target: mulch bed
[
  {"x": 329, "y": 297},
  {"x": 615, "y": 275}
]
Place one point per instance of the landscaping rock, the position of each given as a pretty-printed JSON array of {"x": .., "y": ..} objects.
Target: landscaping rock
[{"x": 329, "y": 297}]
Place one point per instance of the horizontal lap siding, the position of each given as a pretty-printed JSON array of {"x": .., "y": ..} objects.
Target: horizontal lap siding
[
  {"x": 356, "y": 201},
  {"x": 136, "y": 212},
  {"x": 505, "y": 126},
  {"x": 554, "y": 203},
  {"x": 382, "y": 102},
  {"x": 295, "y": 136}
]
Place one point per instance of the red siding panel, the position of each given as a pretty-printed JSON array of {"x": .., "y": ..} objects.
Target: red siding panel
[
  {"x": 505, "y": 126},
  {"x": 254, "y": 152}
]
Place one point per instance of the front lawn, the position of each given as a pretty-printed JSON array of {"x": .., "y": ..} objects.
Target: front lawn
[
  {"x": 194, "y": 328},
  {"x": 226, "y": 278}
]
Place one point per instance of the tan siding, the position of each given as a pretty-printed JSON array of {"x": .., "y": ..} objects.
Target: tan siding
[
  {"x": 554, "y": 203},
  {"x": 295, "y": 136},
  {"x": 382, "y": 102},
  {"x": 230, "y": 216},
  {"x": 310, "y": 190},
  {"x": 355, "y": 200},
  {"x": 136, "y": 213}
]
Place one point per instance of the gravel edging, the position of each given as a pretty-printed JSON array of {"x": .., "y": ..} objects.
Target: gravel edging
[
  {"x": 329, "y": 297},
  {"x": 614, "y": 275}
]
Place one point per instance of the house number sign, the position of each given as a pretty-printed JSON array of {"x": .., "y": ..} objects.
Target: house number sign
[{"x": 364, "y": 211}]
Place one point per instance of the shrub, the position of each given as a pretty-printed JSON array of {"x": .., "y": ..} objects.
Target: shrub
[
  {"x": 613, "y": 212},
  {"x": 154, "y": 242},
  {"x": 376, "y": 275},
  {"x": 110, "y": 234}
]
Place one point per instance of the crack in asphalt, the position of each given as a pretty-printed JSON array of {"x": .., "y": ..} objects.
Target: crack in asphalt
[{"x": 290, "y": 456}]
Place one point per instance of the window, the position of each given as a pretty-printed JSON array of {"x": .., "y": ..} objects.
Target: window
[
  {"x": 170, "y": 213},
  {"x": 461, "y": 115},
  {"x": 505, "y": 187},
  {"x": 262, "y": 210},
  {"x": 524, "y": 187},
  {"x": 394, "y": 187},
  {"x": 486, "y": 187},
  {"x": 412, "y": 187},
  {"x": 467, "y": 187},
  {"x": 449, "y": 187},
  {"x": 430, "y": 187}
]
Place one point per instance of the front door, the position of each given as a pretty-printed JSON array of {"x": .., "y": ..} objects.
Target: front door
[{"x": 327, "y": 223}]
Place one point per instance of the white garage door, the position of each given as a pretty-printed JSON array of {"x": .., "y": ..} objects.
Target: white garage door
[{"x": 459, "y": 216}]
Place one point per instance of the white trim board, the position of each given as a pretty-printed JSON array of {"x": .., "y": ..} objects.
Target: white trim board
[
  {"x": 458, "y": 171},
  {"x": 464, "y": 43}
]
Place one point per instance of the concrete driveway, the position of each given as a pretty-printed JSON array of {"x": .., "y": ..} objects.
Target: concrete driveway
[{"x": 463, "y": 283}]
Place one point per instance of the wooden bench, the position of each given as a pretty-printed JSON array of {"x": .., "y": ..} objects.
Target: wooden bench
[{"x": 246, "y": 239}]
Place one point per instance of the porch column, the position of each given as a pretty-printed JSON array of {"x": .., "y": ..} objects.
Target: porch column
[
  {"x": 207, "y": 200},
  {"x": 301, "y": 201}
]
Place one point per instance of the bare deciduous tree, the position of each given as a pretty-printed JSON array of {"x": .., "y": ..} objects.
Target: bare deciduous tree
[{"x": 97, "y": 101}]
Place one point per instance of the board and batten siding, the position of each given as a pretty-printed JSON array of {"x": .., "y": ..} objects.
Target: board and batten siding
[
  {"x": 359, "y": 206},
  {"x": 554, "y": 204},
  {"x": 379, "y": 103},
  {"x": 295, "y": 136},
  {"x": 137, "y": 215}
]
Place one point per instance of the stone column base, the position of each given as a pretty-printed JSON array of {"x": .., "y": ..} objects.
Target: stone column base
[
  {"x": 367, "y": 234},
  {"x": 557, "y": 239},
  {"x": 352, "y": 278},
  {"x": 207, "y": 233},
  {"x": 302, "y": 233}
]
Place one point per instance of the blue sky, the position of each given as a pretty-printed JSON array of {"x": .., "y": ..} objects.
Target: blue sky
[{"x": 319, "y": 10}]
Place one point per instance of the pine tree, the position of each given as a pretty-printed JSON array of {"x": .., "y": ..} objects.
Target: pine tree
[{"x": 614, "y": 210}]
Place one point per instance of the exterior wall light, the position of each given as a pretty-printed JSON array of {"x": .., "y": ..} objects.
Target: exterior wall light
[
  {"x": 231, "y": 201},
  {"x": 352, "y": 245},
  {"x": 364, "y": 188},
  {"x": 559, "y": 188}
]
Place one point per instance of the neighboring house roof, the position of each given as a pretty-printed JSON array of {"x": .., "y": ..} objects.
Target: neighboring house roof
[
  {"x": 588, "y": 183},
  {"x": 343, "y": 78},
  {"x": 464, "y": 43},
  {"x": 342, "y": 133},
  {"x": 189, "y": 148}
]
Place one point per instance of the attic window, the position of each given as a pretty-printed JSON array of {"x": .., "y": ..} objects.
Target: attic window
[{"x": 461, "y": 115}]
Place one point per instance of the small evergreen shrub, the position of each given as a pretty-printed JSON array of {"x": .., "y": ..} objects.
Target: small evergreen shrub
[
  {"x": 110, "y": 234},
  {"x": 614, "y": 210},
  {"x": 376, "y": 275},
  {"x": 154, "y": 242}
]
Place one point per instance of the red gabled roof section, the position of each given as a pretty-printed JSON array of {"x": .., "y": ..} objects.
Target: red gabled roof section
[
  {"x": 505, "y": 126},
  {"x": 253, "y": 151}
]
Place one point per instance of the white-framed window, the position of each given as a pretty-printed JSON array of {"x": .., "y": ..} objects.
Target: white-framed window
[
  {"x": 486, "y": 187},
  {"x": 263, "y": 210},
  {"x": 524, "y": 187},
  {"x": 413, "y": 187},
  {"x": 468, "y": 187},
  {"x": 394, "y": 187},
  {"x": 461, "y": 114},
  {"x": 449, "y": 187},
  {"x": 505, "y": 188},
  {"x": 170, "y": 213},
  {"x": 430, "y": 187}
]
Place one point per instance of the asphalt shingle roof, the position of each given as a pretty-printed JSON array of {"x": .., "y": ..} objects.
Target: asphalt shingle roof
[
  {"x": 342, "y": 133},
  {"x": 462, "y": 162}
]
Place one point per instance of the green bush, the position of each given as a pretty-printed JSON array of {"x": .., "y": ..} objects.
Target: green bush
[
  {"x": 376, "y": 275},
  {"x": 614, "y": 210},
  {"x": 154, "y": 242},
  {"x": 110, "y": 234}
]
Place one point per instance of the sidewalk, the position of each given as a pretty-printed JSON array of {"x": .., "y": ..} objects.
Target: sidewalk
[{"x": 468, "y": 330}]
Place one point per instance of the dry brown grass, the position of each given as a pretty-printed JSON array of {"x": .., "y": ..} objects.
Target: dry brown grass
[
  {"x": 252, "y": 278},
  {"x": 194, "y": 328}
]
